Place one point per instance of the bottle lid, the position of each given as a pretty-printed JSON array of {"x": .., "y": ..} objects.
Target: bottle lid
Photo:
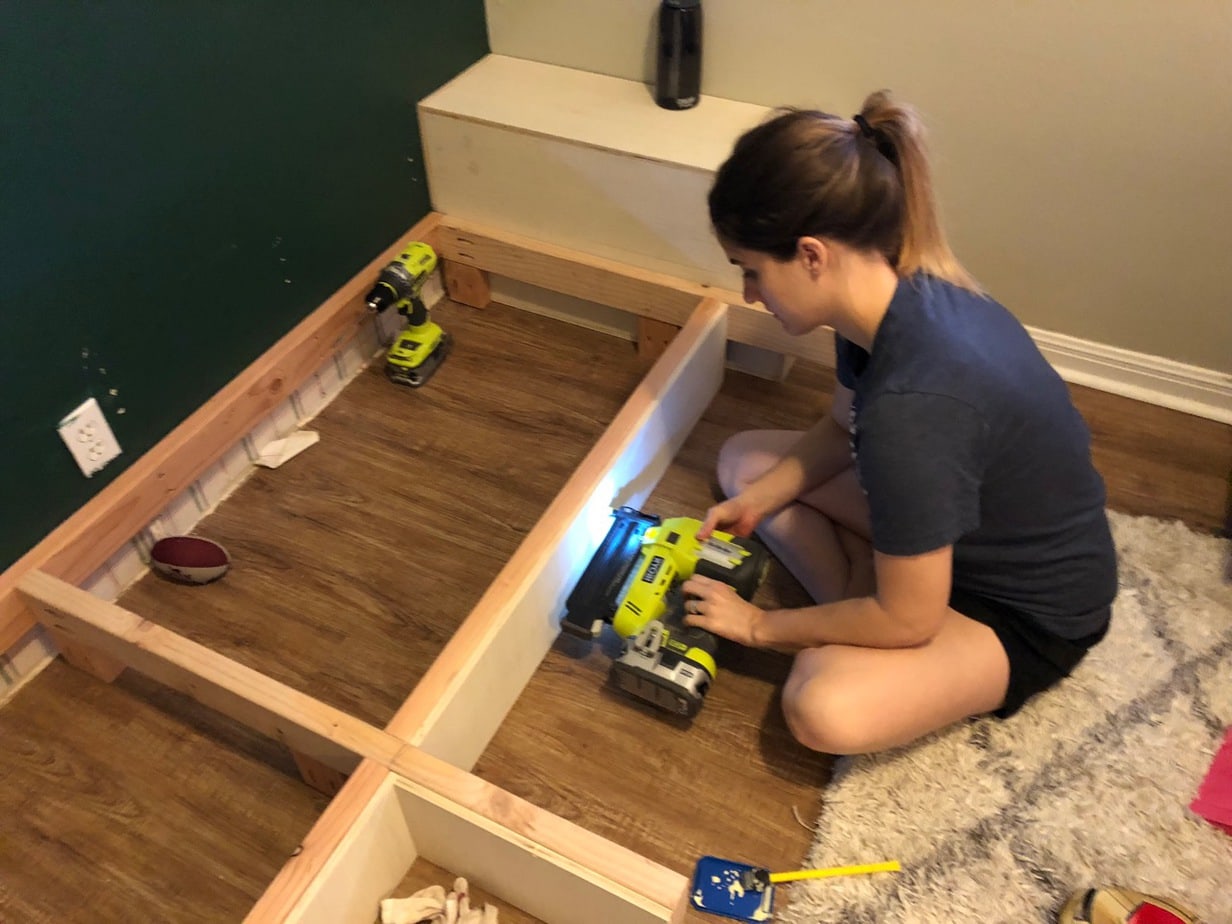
[{"x": 682, "y": 4}]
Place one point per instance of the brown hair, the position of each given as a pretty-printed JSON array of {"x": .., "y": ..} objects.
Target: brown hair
[{"x": 864, "y": 182}]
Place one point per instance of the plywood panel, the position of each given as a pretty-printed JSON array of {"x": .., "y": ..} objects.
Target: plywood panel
[{"x": 454, "y": 711}]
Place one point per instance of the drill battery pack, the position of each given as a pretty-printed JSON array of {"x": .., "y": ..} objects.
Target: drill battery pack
[
  {"x": 416, "y": 354},
  {"x": 667, "y": 663}
]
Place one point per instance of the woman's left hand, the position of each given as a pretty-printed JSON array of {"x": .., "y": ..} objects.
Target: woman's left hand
[{"x": 716, "y": 607}]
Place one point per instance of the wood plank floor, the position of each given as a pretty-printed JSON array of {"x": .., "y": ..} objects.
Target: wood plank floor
[
  {"x": 355, "y": 562},
  {"x": 128, "y": 802},
  {"x": 353, "y": 565},
  {"x": 734, "y": 783},
  {"x": 729, "y": 784}
]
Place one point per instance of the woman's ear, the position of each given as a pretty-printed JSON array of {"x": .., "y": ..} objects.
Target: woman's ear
[{"x": 813, "y": 253}]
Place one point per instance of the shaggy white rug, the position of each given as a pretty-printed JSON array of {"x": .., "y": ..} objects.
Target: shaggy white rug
[{"x": 1089, "y": 784}]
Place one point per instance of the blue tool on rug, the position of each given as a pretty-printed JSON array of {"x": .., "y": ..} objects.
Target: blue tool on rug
[{"x": 746, "y": 893}]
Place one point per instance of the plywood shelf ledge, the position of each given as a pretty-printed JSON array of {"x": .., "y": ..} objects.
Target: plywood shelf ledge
[{"x": 596, "y": 110}]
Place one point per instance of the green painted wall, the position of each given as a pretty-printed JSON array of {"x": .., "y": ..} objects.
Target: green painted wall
[{"x": 181, "y": 183}]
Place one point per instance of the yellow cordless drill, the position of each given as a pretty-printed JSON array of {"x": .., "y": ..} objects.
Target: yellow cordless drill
[{"x": 420, "y": 348}]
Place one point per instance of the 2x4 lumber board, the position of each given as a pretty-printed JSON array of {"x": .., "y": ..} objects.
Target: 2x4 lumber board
[
  {"x": 619, "y": 285},
  {"x": 537, "y": 861},
  {"x": 363, "y": 843},
  {"x": 84, "y": 542},
  {"x": 365, "y": 865},
  {"x": 456, "y": 707},
  {"x": 333, "y": 837},
  {"x": 321, "y": 732}
]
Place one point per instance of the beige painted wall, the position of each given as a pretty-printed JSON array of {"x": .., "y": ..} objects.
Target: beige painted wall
[{"x": 1083, "y": 148}]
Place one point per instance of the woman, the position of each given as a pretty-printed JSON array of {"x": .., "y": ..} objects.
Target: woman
[{"x": 945, "y": 515}]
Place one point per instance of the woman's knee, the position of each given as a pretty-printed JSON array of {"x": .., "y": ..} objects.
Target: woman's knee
[
  {"x": 822, "y": 714},
  {"x": 745, "y": 457}
]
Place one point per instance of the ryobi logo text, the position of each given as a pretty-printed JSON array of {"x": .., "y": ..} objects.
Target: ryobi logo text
[{"x": 652, "y": 569}]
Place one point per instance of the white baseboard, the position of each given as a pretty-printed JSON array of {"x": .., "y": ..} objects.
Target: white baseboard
[
  {"x": 22, "y": 663},
  {"x": 1153, "y": 379}
]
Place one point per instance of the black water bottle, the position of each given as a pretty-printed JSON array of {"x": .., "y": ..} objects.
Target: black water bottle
[{"x": 678, "y": 65}]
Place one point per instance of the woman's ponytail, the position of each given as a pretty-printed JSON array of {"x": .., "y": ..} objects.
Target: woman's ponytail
[
  {"x": 923, "y": 246},
  {"x": 864, "y": 181}
]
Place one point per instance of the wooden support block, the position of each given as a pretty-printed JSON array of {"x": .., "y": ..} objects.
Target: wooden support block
[
  {"x": 323, "y": 779},
  {"x": 467, "y": 285},
  {"x": 87, "y": 659},
  {"x": 653, "y": 337}
]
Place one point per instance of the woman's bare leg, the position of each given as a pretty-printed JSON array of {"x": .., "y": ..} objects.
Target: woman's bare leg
[
  {"x": 842, "y": 699},
  {"x": 822, "y": 538}
]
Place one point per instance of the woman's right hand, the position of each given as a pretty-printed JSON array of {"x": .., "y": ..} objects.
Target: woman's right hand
[{"x": 736, "y": 515}]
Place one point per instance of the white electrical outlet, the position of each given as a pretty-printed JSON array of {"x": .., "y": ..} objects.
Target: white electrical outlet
[{"x": 88, "y": 437}]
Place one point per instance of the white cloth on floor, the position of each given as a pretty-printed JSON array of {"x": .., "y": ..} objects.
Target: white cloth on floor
[{"x": 433, "y": 906}]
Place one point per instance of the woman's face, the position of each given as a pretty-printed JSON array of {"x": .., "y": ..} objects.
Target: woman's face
[{"x": 787, "y": 288}]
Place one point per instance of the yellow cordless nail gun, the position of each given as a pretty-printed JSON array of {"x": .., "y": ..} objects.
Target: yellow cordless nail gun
[{"x": 633, "y": 582}]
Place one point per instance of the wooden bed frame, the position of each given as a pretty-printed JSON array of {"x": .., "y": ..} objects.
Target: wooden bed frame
[{"x": 406, "y": 791}]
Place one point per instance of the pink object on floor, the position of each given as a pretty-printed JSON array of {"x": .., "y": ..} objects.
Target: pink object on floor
[
  {"x": 1150, "y": 913},
  {"x": 1214, "y": 799}
]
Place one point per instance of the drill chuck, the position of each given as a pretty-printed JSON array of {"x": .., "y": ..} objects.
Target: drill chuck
[{"x": 394, "y": 284}]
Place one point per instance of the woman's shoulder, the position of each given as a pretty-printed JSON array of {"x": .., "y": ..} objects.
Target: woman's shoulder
[{"x": 931, "y": 288}]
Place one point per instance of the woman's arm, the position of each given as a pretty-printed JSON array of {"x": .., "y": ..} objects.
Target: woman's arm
[{"x": 908, "y": 609}]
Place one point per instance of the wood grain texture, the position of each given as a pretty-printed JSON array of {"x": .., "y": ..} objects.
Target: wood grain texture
[
  {"x": 312, "y": 728},
  {"x": 354, "y": 563},
  {"x": 79, "y": 546},
  {"x": 642, "y": 292},
  {"x": 584, "y": 867},
  {"x": 127, "y": 801},
  {"x": 458, "y": 705},
  {"x": 1159, "y": 462},
  {"x": 466, "y": 284},
  {"x": 653, "y": 337},
  {"x": 726, "y": 784},
  {"x": 335, "y": 825}
]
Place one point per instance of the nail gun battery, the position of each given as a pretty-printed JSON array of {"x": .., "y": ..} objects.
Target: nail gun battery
[{"x": 669, "y": 664}]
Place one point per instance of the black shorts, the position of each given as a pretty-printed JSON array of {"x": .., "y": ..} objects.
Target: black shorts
[{"x": 1038, "y": 658}]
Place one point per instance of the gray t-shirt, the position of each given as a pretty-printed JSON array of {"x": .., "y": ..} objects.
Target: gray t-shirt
[{"x": 964, "y": 435}]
